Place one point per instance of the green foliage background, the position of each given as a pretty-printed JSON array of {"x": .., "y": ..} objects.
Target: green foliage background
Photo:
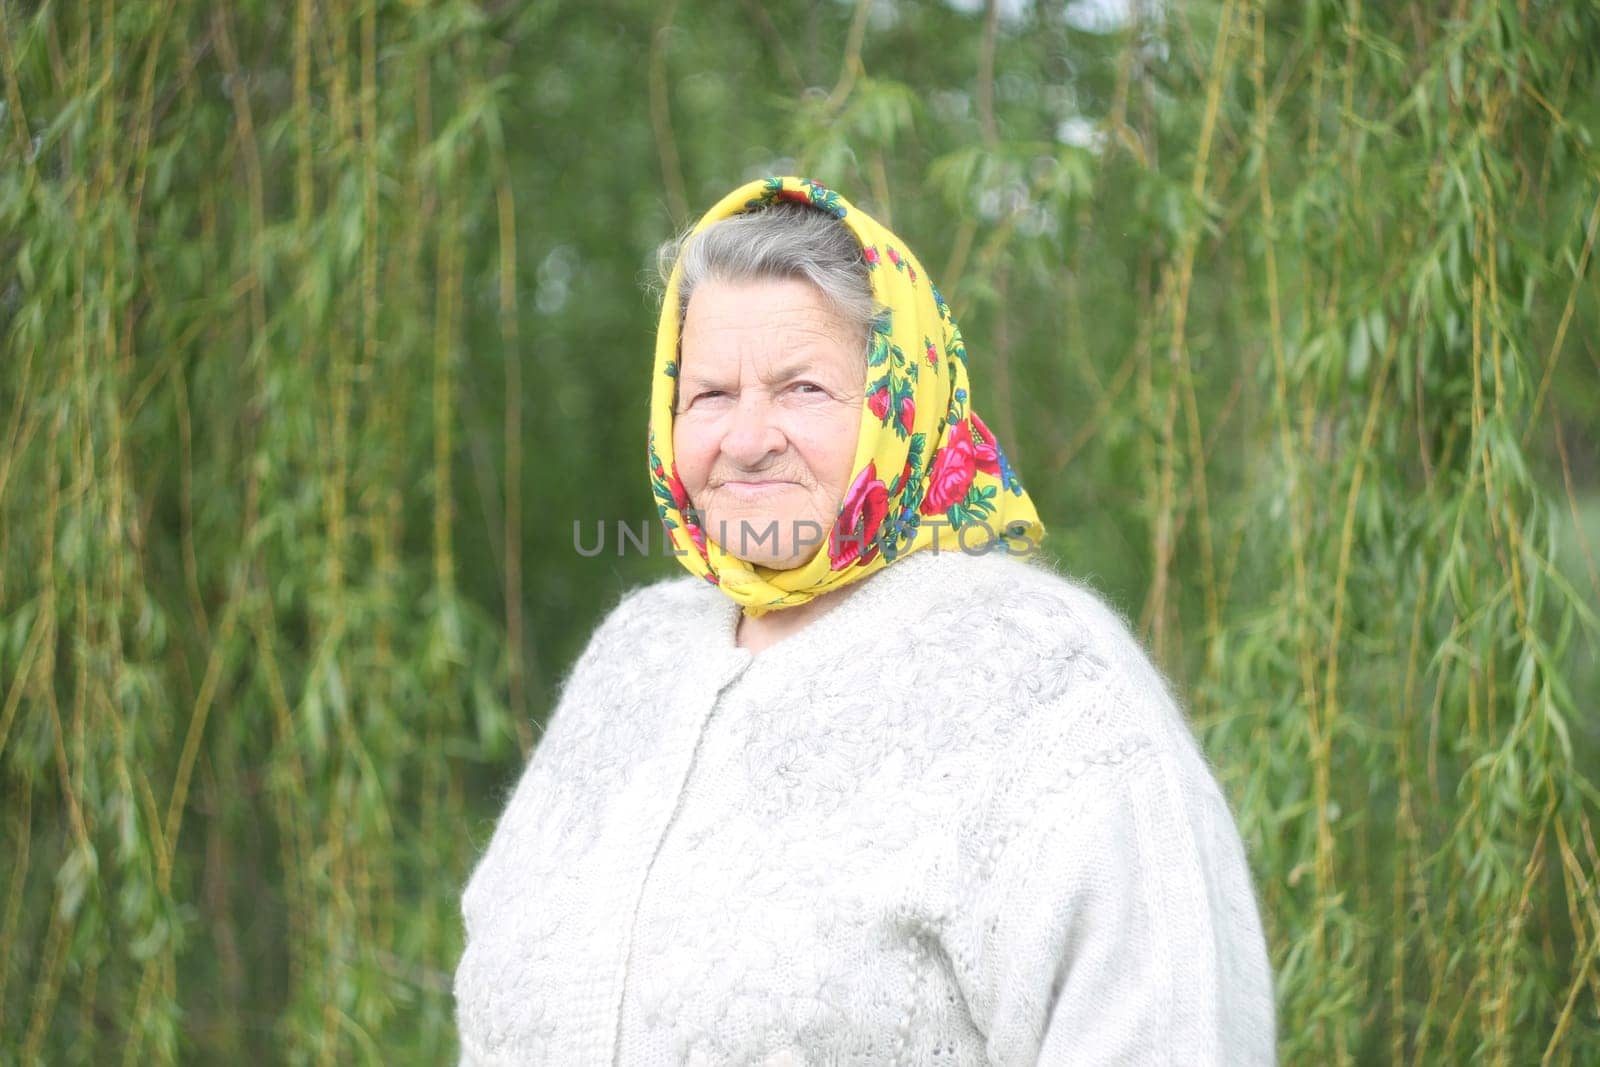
[{"x": 322, "y": 320}]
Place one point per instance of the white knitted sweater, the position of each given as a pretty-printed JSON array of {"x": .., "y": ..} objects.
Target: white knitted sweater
[{"x": 956, "y": 820}]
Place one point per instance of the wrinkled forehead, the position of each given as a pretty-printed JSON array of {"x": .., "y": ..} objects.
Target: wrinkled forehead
[{"x": 765, "y": 326}]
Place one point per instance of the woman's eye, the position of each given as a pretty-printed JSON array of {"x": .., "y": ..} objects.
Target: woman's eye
[{"x": 808, "y": 387}]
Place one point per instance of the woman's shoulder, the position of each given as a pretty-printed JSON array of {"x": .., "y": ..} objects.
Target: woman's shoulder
[
  {"x": 640, "y": 639},
  {"x": 1030, "y": 605},
  {"x": 1056, "y": 654},
  {"x": 661, "y": 598},
  {"x": 653, "y": 611}
]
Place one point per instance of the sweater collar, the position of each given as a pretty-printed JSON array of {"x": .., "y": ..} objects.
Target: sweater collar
[{"x": 904, "y": 590}]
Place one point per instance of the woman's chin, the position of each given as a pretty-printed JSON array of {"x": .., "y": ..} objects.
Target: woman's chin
[
  {"x": 784, "y": 557},
  {"x": 778, "y": 542},
  {"x": 775, "y": 562}
]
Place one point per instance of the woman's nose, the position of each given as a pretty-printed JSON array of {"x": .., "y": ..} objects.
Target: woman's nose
[{"x": 754, "y": 435}]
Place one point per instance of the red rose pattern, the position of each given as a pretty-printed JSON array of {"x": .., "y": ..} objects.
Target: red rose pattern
[
  {"x": 879, "y": 403},
  {"x": 854, "y": 538},
  {"x": 987, "y": 451},
  {"x": 680, "y": 500},
  {"x": 908, "y": 412},
  {"x": 954, "y": 467}
]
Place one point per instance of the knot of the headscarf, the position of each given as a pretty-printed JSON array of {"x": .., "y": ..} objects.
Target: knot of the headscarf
[{"x": 927, "y": 473}]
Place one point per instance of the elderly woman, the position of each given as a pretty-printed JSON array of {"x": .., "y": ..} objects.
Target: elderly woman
[{"x": 873, "y": 785}]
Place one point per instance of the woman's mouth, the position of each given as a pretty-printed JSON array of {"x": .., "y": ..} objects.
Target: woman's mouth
[{"x": 755, "y": 488}]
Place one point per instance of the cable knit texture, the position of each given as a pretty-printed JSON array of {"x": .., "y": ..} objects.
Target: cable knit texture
[{"x": 959, "y": 819}]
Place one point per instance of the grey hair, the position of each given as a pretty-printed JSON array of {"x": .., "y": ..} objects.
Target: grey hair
[{"x": 786, "y": 240}]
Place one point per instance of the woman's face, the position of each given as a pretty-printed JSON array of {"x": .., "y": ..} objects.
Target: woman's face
[{"x": 770, "y": 387}]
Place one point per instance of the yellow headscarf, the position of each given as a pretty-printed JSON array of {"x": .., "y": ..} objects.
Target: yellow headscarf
[{"x": 927, "y": 470}]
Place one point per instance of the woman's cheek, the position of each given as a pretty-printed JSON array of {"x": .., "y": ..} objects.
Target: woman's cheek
[
  {"x": 825, "y": 424},
  {"x": 828, "y": 444},
  {"x": 694, "y": 444}
]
